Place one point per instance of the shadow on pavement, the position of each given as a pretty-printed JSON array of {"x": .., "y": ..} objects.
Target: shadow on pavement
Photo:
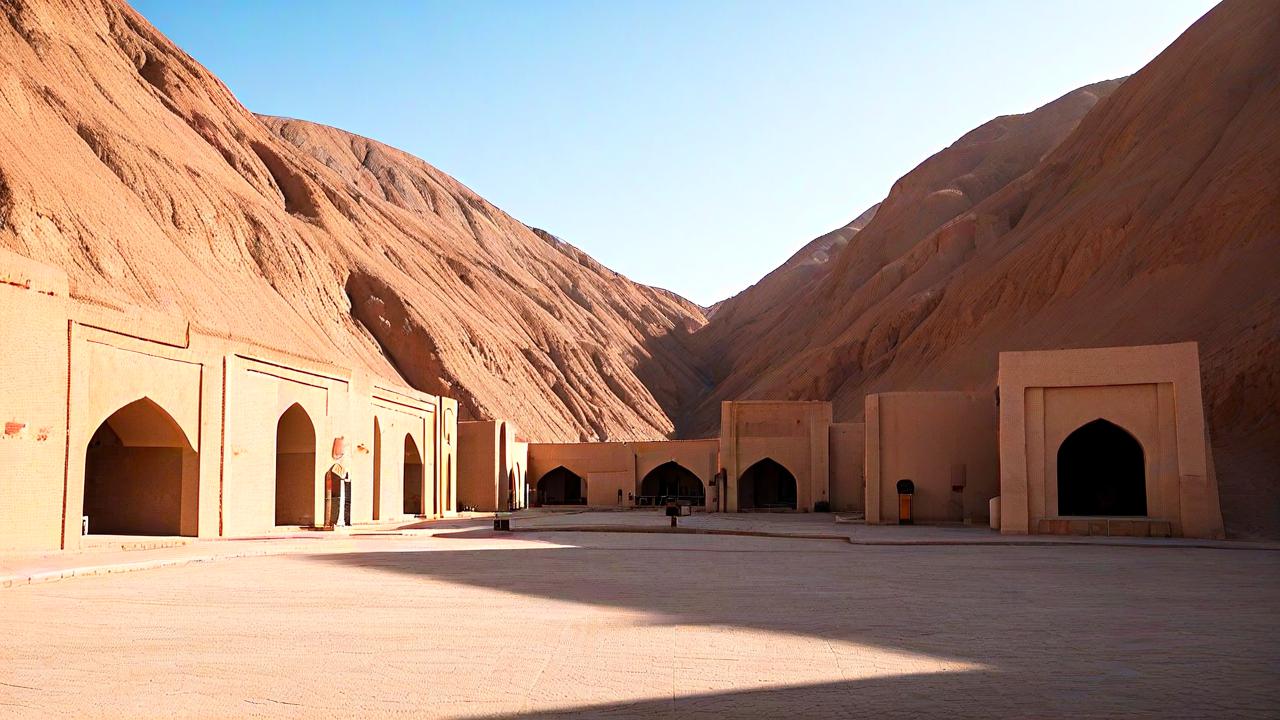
[{"x": 1081, "y": 628}]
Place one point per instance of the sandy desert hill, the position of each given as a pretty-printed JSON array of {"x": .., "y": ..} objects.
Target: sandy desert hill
[
  {"x": 1156, "y": 219},
  {"x": 129, "y": 165}
]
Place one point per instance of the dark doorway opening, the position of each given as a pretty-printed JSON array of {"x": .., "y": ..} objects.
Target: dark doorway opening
[
  {"x": 377, "y": 469},
  {"x": 412, "y": 478},
  {"x": 767, "y": 485},
  {"x": 562, "y": 487},
  {"x": 295, "y": 468},
  {"x": 1101, "y": 471},
  {"x": 133, "y": 474},
  {"x": 671, "y": 481}
]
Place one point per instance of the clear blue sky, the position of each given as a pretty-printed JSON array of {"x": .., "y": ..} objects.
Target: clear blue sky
[{"x": 725, "y": 133}]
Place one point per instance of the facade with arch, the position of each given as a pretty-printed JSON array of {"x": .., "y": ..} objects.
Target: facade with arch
[
  {"x": 493, "y": 459},
  {"x": 1133, "y": 414},
  {"x": 146, "y": 426},
  {"x": 133, "y": 422}
]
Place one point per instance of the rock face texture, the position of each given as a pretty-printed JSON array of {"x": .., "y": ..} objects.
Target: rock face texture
[
  {"x": 1143, "y": 213},
  {"x": 129, "y": 165}
]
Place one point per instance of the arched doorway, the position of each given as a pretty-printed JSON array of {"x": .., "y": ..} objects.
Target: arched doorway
[
  {"x": 134, "y": 467},
  {"x": 412, "y": 477},
  {"x": 562, "y": 487},
  {"x": 295, "y": 468},
  {"x": 671, "y": 480},
  {"x": 377, "y": 469},
  {"x": 767, "y": 485},
  {"x": 1101, "y": 471}
]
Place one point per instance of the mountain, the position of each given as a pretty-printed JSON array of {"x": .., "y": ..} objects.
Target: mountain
[
  {"x": 750, "y": 334},
  {"x": 1153, "y": 220},
  {"x": 127, "y": 164}
]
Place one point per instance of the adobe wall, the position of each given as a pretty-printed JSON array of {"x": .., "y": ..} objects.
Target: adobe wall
[
  {"x": 607, "y": 467},
  {"x": 398, "y": 415},
  {"x": 478, "y": 472},
  {"x": 847, "y": 452},
  {"x": 70, "y": 365},
  {"x": 33, "y": 402},
  {"x": 937, "y": 440},
  {"x": 793, "y": 434},
  {"x": 1153, "y": 393},
  {"x": 612, "y": 466},
  {"x": 513, "y": 461}
]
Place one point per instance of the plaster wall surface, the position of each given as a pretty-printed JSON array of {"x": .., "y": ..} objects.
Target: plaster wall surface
[
  {"x": 612, "y": 466},
  {"x": 848, "y": 479},
  {"x": 71, "y": 365},
  {"x": 937, "y": 440},
  {"x": 478, "y": 451},
  {"x": 1151, "y": 392},
  {"x": 33, "y": 402},
  {"x": 794, "y": 434}
]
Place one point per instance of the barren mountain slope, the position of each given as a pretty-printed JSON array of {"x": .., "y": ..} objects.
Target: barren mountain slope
[
  {"x": 128, "y": 164},
  {"x": 1155, "y": 221},
  {"x": 750, "y": 333}
]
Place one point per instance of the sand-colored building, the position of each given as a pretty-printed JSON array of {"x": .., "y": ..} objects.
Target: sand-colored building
[
  {"x": 493, "y": 463},
  {"x": 624, "y": 474},
  {"x": 1107, "y": 441},
  {"x": 118, "y": 421},
  {"x": 944, "y": 443}
]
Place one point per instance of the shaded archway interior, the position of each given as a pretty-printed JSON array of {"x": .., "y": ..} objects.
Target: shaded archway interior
[
  {"x": 295, "y": 468},
  {"x": 413, "y": 495},
  {"x": 671, "y": 481},
  {"x": 767, "y": 485},
  {"x": 1101, "y": 472},
  {"x": 562, "y": 486},
  {"x": 135, "y": 466},
  {"x": 377, "y": 469}
]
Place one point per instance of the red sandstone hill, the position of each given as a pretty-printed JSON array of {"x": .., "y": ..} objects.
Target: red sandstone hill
[
  {"x": 1156, "y": 219},
  {"x": 129, "y": 165}
]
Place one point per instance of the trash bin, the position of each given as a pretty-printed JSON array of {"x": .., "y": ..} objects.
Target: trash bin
[
  {"x": 906, "y": 489},
  {"x": 673, "y": 511},
  {"x": 501, "y": 522}
]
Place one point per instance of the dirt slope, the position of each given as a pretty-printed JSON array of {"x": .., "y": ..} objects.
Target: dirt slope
[
  {"x": 751, "y": 333},
  {"x": 1155, "y": 220},
  {"x": 128, "y": 164}
]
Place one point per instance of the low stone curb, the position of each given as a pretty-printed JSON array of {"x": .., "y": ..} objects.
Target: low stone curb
[
  {"x": 91, "y": 570},
  {"x": 898, "y": 543}
]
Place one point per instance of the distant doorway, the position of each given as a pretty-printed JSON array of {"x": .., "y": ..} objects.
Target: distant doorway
[
  {"x": 767, "y": 485},
  {"x": 672, "y": 481},
  {"x": 377, "y": 469},
  {"x": 133, "y": 472},
  {"x": 1101, "y": 471},
  {"x": 295, "y": 468},
  {"x": 562, "y": 487},
  {"x": 412, "y": 478}
]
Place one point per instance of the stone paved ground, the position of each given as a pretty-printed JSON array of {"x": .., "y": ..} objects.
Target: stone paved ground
[
  {"x": 645, "y": 625},
  {"x": 802, "y": 524}
]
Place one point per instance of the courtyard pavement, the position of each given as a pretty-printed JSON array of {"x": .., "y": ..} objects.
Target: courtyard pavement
[{"x": 461, "y": 622}]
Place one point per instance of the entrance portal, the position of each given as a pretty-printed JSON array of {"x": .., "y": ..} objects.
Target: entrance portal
[
  {"x": 1101, "y": 471},
  {"x": 295, "y": 468},
  {"x": 412, "y": 477},
  {"x": 562, "y": 487},
  {"x": 377, "y": 469},
  {"x": 133, "y": 471},
  {"x": 672, "y": 481},
  {"x": 767, "y": 485}
]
